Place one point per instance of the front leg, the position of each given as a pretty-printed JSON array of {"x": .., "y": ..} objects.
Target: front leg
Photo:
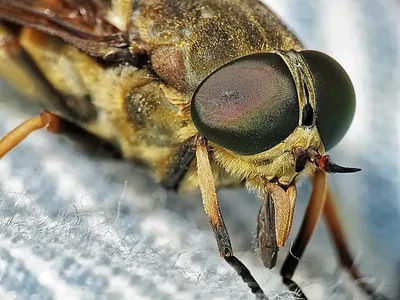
[{"x": 211, "y": 207}]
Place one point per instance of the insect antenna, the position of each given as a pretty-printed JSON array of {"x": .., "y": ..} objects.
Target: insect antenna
[{"x": 325, "y": 163}]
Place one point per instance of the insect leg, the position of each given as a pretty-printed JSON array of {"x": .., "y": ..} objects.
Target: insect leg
[
  {"x": 211, "y": 207},
  {"x": 310, "y": 220},
  {"x": 179, "y": 164},
  {"x": 338, "y": 237},
  {"x": 45, "y": 120}
]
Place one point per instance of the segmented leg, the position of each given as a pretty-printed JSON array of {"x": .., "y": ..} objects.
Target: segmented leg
[
  {"x": 310, "y": 220},
  {"x": 181, "y": 160},
  {"x": 338, "y": 237},
  {"x": 45, "y": 120},
  {"x": 211, "y": 207}
]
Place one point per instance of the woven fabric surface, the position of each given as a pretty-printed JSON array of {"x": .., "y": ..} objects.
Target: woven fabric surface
[{"x": 79, "y": 224}]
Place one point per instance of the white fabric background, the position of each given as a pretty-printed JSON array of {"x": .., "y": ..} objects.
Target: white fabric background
[{"x": 76, "y": 224}]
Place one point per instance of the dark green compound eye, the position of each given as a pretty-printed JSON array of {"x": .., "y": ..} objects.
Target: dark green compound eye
[
  {"x": 335, "y": 97},
  {"x": 247, "y": 106}
]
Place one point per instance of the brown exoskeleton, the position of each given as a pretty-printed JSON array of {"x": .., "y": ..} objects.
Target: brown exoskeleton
[{"x": 205, "y": 93}]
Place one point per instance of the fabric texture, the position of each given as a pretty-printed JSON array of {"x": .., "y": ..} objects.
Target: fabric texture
[{"x": 78, "y": 224}]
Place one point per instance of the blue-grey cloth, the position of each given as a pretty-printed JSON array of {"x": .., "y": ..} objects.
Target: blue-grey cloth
[{"x": 78, "y": 224}]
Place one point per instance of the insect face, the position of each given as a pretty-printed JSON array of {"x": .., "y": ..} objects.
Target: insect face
[{"x": 271, "y": 105}]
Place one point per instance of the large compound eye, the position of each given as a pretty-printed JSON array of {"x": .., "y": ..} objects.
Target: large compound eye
[
  {"x": 335, "y": 97},
  {"x": 247, "y": 106}
]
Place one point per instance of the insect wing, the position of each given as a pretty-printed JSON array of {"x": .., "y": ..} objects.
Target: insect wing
[{"x": 82, "y": 24}]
